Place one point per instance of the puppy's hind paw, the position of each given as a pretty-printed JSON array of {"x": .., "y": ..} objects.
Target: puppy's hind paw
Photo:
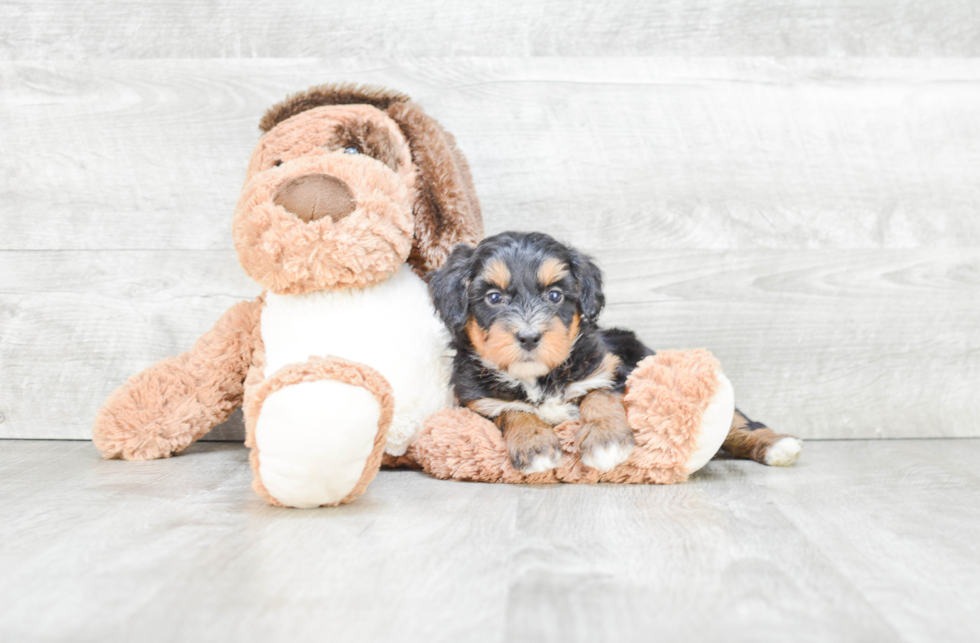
[{"x": 783, "y": 452}]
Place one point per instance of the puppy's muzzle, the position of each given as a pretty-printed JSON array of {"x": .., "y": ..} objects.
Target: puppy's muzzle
[
  {"x": 528, "y": 338},
  {"x": 314, "y": 196}
]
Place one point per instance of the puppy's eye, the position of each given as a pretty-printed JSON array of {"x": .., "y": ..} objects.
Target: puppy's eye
[
  {"x": 352, "y": 149},
  {"x": 494, "y": 298},
  {"x": 277, "y": 164},
  {"x": 555, "y": 296}
]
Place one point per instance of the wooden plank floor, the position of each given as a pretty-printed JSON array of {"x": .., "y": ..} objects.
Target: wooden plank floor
[{"x": 861, "y": 541}]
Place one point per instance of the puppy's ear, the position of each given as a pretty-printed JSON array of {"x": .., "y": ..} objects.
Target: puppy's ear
[
  {"x": 589, "y": 277},
  {"x": 446, "y": 209},
  {"x": 447, "y": 286}
]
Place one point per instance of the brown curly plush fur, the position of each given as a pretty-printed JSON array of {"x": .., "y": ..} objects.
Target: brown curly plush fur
[{"x": 337, "y": 94}]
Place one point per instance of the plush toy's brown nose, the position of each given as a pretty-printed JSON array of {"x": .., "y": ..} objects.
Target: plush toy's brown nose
[{"x": 315, "y": 196}]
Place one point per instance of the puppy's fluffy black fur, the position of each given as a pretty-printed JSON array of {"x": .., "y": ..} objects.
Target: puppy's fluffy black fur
[{"x": 482, "y": 313}]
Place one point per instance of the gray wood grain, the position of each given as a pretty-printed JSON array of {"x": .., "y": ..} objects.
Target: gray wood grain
[
  {"x": 75, "y": 325},
  {"x": 791, "y": 185},
  {"x": 829, "y": 344},
  {"x": 331, "y": 28},
  {"x": 860, "y": 541},
  {"x": 617, "y": 153},
  {"x": 820, "y": 343}
]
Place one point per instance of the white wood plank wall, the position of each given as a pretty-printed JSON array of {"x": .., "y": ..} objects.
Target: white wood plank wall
[{"x": 792, "y": 184}]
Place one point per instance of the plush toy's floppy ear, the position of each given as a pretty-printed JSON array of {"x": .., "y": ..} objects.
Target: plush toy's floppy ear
[
  {"x": 591, "y": 300},
  {"x": 447, "y": 286},
  {"x": 447, "y": 211}
]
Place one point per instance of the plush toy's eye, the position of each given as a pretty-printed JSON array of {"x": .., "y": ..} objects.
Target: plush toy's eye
[
  {"x": 277, "y": 164},
  {"x": 351, "y": 149},
  {"x": 555, "y": 296},
  {"x": 494, "y": 298}
]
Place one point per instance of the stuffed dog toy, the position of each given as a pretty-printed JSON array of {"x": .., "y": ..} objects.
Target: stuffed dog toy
[{"x": 351, "y": 196}]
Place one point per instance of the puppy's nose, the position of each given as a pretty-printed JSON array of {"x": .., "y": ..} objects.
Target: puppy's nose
[
  {"x": 528, "y": 338},
  {"x": 314, "y": 196}
]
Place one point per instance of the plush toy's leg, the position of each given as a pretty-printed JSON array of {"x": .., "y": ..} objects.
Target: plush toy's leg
[
  {"x": 165, "y": 408},
  {"x": 750, "y": 440},
  {"x": 680, "y": 406},
  {"x": 317, "y": 431}
]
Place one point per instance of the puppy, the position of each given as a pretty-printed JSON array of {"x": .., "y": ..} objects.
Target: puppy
[{"x": 522, "y": 310}]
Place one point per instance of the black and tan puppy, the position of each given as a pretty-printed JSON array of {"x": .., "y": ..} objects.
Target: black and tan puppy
[{"x": 522, "y": 311}]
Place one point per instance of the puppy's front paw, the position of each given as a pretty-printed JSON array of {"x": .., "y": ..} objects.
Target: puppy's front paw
[
  {"x": 535, "y": 452},
  {"x": 605, "y": 444}
]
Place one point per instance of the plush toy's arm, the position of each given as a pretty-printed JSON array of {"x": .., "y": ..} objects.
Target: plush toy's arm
[{"x": 167, "y": 407}]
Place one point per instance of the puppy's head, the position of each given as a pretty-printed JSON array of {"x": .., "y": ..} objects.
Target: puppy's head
[{"x": 520, "y": 299}]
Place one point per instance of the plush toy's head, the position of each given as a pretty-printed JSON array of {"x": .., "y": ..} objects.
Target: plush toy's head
[{"x": 347, "y": 184}]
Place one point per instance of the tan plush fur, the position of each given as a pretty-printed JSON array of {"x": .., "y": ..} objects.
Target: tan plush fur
[
  {"x": 324, "y": 130},
  {"x": 666, "y": 396},
  {"x": 414, "y": 198},
  {"x": 170, "y": 405},
  {"x": 291, "y": 256}
]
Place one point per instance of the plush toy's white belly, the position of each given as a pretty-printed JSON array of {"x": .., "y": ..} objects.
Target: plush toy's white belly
[{"x": 390, "y": 327}]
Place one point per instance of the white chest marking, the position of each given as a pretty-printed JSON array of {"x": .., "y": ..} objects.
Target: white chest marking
[
  {"x": 553, "y": 410},
  {"x": 389, "y": 326}
]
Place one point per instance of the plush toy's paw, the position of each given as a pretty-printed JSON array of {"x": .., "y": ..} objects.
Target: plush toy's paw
[
  {"x": 716, "y": 417},
  {"x": 155, "y": 414},
  {"x": 783, "y": 452},
  {"x": 318, "y": 431},
  {"x": 605, "y": 444},
  {"x": 535, "y": 452}
]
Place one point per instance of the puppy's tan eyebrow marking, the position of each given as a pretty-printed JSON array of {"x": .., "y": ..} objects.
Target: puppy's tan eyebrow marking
[
  {"x": 551, "y": 270},
  {"x": 497, "y": 273}
]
